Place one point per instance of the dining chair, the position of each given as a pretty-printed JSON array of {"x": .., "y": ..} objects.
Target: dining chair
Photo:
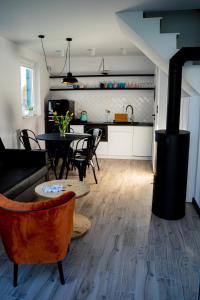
[
  {"x": 82, "y": 157},
  {"x": 28, "y": 139},
  {"x": 97, "y": 134},
  {"x": 30, "y": 142},
  {"x": 37, "y": 232}
]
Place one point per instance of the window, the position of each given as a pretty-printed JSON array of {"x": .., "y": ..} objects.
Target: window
[{"x": 27, "y": 90}]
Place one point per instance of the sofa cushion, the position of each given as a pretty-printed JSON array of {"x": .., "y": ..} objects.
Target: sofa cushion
[{"x": 12, "y": 176}]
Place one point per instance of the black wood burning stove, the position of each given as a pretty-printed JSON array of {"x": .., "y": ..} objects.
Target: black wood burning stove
[{"x": 170, "y": 180}]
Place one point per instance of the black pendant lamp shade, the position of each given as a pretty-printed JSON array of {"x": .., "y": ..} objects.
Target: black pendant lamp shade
[{"x": 69, "y": 79}]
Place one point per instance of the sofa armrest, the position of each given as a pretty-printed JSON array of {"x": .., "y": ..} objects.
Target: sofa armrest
[{"x": 21, "y": 157}]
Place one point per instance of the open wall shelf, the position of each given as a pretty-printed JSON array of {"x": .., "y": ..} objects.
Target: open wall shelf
[
  {"x": 104, "y": 75},
  {"x": 104, "y": 89}
]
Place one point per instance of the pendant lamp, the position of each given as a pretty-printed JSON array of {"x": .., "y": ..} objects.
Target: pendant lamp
[{"x": 69, "y": 79}]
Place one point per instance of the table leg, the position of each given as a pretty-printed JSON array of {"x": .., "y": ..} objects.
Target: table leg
[
  {"x": 81, "y": 225},
  {"x": 64, "y": 159}
]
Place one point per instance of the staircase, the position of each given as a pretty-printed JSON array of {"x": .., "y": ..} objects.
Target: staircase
[{"x": 158, "y": 47}]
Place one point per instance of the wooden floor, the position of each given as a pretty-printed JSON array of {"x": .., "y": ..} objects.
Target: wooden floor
[{"x": 128, "y": 253}]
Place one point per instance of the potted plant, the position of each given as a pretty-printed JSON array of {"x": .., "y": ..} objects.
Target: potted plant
[{"x": 63, "y": 121}]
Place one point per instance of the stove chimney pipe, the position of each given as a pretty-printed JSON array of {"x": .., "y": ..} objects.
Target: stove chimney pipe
[
  {"x": 170, "y": 178},
  {"x": 174, "y": 85}
]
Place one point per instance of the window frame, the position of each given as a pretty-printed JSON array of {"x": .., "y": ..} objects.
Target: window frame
[{"x": 35, "y": 86}]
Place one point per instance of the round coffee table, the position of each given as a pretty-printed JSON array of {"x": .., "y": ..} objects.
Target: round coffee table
[{"x": 81, "y": 223}]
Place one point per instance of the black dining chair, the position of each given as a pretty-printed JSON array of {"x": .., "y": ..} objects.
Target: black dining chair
[
  {"x": 96, "y": 134},
  {"x": 28, "y": 139},
  {"x": 81, "y": 158},
  {"x": 30, "y": 142}
]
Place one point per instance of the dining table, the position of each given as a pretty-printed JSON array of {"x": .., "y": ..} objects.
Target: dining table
[{"x": 56, "y": 140}]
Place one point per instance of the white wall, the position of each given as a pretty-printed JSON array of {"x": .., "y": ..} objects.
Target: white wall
[
  {"x": 193, "y": 127},
  {"x": 96, "y": 102},
  {"x": 137, "y": 63},
  {"x": 161, "y": 99},
  {"x": 10, "y": 114}
]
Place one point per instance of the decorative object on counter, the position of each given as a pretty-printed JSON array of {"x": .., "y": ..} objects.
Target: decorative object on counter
[
  {"x": 84, "y": 116},
  {"x": 102, "y": 85},
  {"x": 115, "y": 84},
  {"x": 120, "y": 117},
  {"x": 107, "y": 115},
  {"x": 63, "y": 122},
  {"x": 109, "y": 85},
  {"x": 121, "y": 85}
]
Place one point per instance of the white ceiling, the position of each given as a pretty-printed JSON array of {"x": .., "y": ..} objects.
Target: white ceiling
[{"x": 91, "y": 23}]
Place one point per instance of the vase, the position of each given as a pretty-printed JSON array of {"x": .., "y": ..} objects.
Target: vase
[{"x": 62, "y": 131}]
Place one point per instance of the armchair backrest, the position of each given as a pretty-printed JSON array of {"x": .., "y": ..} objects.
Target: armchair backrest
[{"x": 37, "y": 232}]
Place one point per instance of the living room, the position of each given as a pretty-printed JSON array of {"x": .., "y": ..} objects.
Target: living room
[{"x": 127, "y": 252}]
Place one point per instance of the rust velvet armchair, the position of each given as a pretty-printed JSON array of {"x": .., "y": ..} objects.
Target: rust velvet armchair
[{"x": 37, "y": 232}]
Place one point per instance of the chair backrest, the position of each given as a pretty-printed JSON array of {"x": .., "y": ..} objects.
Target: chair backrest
[
  {"x": 87, "y": 145},
  {"x": 37, "y": 232},
  {"x": 28, "y": 139},
  {"x": 96, "y": 133}
]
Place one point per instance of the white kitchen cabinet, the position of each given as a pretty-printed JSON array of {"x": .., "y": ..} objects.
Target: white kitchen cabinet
[
  {"x": 102, "y": 149},
  {"x": 128, "y": 142},
  {"x": 120, "y": 141},
  {"x": 142, "y": 141}
]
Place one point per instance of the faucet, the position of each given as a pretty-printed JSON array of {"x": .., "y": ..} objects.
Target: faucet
[{"x": 131, "y": 117}]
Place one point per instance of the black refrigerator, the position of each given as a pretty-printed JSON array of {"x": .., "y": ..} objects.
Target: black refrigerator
[{"x": 61, "y": 107}]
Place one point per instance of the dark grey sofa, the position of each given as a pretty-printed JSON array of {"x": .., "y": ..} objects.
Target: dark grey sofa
[{"x": 21, "y": 171}]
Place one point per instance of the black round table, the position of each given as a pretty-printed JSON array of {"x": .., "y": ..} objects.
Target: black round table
[{"x": 65, "y": 141}]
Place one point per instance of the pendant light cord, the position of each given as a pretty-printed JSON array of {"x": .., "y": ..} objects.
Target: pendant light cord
[
  {"x": 69, "y": 54},
  {"x": 41, "y": 39},
  {"x": 65, "y": 62}
]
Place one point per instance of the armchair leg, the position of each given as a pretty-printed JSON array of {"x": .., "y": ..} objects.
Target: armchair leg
[
  {"x": 15, "y": 274},
  {"x": 60, "y": 270}
]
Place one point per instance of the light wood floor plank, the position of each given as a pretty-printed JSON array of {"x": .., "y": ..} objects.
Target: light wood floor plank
[{"x": 128, "y": 254}]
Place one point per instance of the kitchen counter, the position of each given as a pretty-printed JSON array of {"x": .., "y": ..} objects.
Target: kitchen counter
[{"x": 78, "y": 122}]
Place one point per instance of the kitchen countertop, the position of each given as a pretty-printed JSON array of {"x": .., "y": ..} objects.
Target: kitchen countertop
[{"x": 78, "y": 122}]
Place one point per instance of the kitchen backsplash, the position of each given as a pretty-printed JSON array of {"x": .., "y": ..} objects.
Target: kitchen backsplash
[{"x": 96, "y": 102}]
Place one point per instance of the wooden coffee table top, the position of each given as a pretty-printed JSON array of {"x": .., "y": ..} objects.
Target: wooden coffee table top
[{"x": 79, "y": 187}]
